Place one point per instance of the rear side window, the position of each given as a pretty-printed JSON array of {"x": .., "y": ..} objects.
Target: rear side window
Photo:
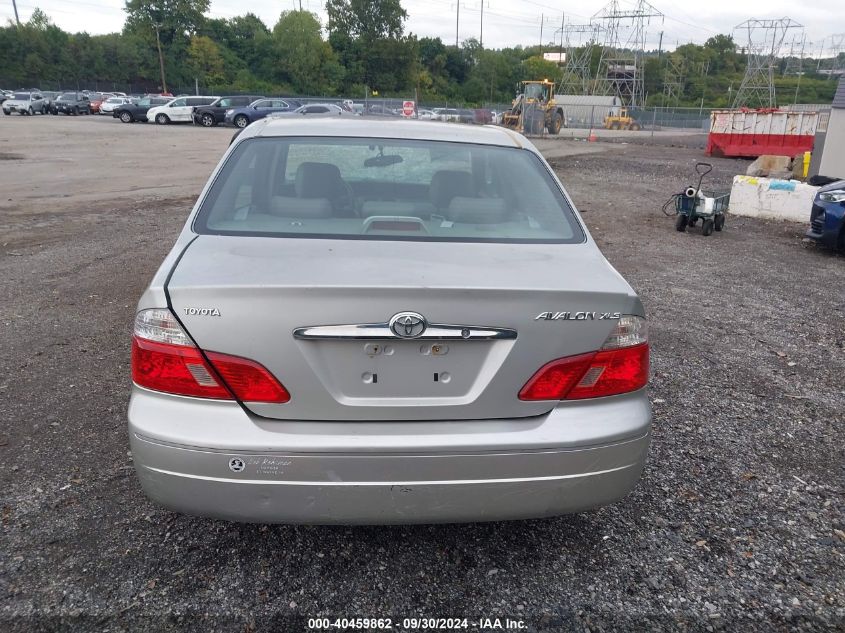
[{"x": 386, "y": 189}]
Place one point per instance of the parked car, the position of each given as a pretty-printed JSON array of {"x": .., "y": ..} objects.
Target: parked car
[
  {"x": 468, "y": 354},
  {"x": 178, "y": 110},
  {"x": 379, "y": 110},
  {"x": 137, "y": 110},
  {"x": 5, "y": 94},
  {"x": 49, "y": 97},
  {"x": 215, "y": 112},
  {"x": 71, "y": 103},
  {"x": 25, "y": 103},
  {"x": 97, "y": 99},
  {"x": 109, "y": 105},
  {"x": 315, "y": 109},
  {"x": 482, "y": 116},
  {"x": 827, "y": 217},
  {"x": 241, "y": 117},
  {"x": 425, "y": 114},
  {"x": 448, "y": 114}
]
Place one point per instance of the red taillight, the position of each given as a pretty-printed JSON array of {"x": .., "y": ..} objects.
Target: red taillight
[
  {"x": 165, "y": 359},
  {"x": 602, "y": 373},
  {"x": 250, "y": 381},
  {"x": 174, "y": 369}
]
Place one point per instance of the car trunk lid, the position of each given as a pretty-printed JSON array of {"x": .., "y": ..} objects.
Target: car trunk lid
[{"x": 317, "y": 314}]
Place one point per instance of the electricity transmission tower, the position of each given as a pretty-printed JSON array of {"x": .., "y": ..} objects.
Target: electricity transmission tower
[
  {"x": 835, "y": 62},
  {"x": 620, "y": 70},
  {"x": 764, "y": 40},
  {"x": 673, "y": 80},
  {"x": 794, "y": 60},
  {"x": 579, "y": 40}
]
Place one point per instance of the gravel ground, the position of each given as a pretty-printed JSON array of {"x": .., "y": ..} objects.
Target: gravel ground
[{"x": 737, "y": 523}]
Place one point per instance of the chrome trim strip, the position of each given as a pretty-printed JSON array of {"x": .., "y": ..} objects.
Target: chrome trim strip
[
  {"x": 385, "y": 484},
  {"x": 382, "y": 331}
]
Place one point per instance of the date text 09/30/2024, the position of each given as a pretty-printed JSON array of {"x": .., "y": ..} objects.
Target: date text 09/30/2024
[{"x": 416, "y": 624}]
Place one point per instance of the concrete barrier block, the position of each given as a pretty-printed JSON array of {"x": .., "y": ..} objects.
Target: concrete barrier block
[{"x": 772, "y": 198}]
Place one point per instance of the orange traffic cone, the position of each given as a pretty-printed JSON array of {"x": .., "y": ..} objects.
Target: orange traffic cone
[{"x": 592, "y": 138}]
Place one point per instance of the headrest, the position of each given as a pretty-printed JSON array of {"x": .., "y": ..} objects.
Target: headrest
[
  {"x": 304, "y": 208},
  {"x": 477, "y": 210},
  {"x": 445, "y": 185},
  {"x": 314, "y": 180}
]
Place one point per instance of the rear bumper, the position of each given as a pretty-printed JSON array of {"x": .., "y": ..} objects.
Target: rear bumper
[{"x": 212, "y": 459}]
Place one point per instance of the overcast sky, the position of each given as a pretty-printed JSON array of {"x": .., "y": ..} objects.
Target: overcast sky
[{"x": 506, "y": 22}]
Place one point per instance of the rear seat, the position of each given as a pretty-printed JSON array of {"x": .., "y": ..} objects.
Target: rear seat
[
  {"x": 302, "y": 208},
  {"x": 446, "y": 185},
  {"x": 477, "y": 210},
  {"x": 422, "y": 210}
]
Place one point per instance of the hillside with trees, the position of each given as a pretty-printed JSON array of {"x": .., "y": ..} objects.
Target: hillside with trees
[{"x": 362, "y": 49}]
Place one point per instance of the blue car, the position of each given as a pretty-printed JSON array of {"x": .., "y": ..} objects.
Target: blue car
[
  {"x": 241, "y": 117},
  {"x": 827, "y": 219}
]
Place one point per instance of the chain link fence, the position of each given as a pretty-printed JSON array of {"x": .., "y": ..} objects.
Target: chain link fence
[{"x": 531, "y": 119}]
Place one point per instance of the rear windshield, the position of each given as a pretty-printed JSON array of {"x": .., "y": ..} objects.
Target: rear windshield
[{"x": 386, "y": 189}]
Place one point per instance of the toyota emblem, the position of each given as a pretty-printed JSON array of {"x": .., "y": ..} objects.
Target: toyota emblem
[{"x": 408, "y": 324}]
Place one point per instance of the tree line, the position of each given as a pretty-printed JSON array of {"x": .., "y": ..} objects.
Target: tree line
[{"x": 363, "y": 49}]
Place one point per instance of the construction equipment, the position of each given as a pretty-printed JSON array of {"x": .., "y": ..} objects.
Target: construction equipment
[
  {"x": 694, "y": 204},
  {"x": 534, "y": 109},
  {"x": 621, "y": 121}
]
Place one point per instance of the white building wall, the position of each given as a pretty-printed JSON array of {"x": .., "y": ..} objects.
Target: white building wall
[{"x": 833, "y": 154}]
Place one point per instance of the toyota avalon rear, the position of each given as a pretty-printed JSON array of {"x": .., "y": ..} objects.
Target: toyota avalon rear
[{"x": 387, "y": 322}]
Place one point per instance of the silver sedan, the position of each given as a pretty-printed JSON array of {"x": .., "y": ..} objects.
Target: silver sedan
[
  {"x": 313, "y": 109},
  {"x": 387, "y": 322}
]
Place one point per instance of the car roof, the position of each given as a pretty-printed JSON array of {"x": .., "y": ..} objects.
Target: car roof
[{"x": 402, "y": 129}]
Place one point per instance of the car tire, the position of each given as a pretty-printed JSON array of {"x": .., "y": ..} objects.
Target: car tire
[
  {"x": 707, "y": 227},
  {"x": 720, "y": 222},
  {"x": 162, "y": 119},
  {"x": 635, "y": 127},
  {"x": 241, "y": 121},
  {"x": 207, "y": 120},
  {"x": 30, "y": 111},
  {"x": 75, "y": 111},
  {"x": 125, "y": 117},
  {"x": 681, "y": 223}
]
